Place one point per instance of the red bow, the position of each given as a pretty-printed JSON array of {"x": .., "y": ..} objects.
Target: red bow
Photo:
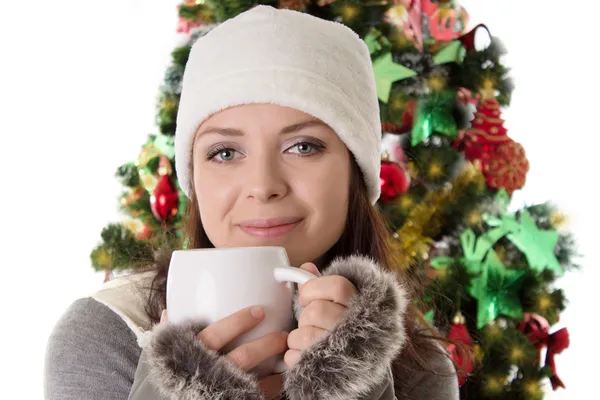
[{"x": 536, "y": 328}]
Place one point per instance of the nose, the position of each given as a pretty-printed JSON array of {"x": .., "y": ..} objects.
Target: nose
[{"x": 265, "y": 179}]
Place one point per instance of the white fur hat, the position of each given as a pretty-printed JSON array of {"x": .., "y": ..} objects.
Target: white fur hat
[{"x": 284, "y": 57}]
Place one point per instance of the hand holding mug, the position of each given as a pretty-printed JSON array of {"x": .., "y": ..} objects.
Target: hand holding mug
[
  {"x": 325, "y": 300},
  {"x": 208, "y": 285},
  {"x": 248, "y": 355}
]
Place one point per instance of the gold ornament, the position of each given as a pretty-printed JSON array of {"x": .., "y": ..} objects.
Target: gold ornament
[
  {"x": 350, "y": 12},
  {"x": 517, "y": 355},
  {"x": 473, "y": 217},
  {"x": 459, "y": 319},
  {"x": 435, "y": 170},
  {"x": 544, "y": 302},
  {"x": 406, "y": 202},
  {"x": 533, "y": 389},
  {"x": 436, "y": 83},
  {"x": 558, "y": 219},
  {"x": 493, "y": 385},
  {"x": 487, "y": 90},
  {"x": 493, "y": 332}
]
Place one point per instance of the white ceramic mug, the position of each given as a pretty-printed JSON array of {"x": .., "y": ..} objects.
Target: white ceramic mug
[{"x": 207, "y": 285}]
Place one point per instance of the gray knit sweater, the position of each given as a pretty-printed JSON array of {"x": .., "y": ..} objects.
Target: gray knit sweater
[{"x": 93, "y": 354}]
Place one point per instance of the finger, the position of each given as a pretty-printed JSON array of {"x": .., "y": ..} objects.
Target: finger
[
  {"x": 291, "y": 357},
  {"x": 219, "y": 334},
  {"x": 163, "y": 317},
  {"x": 312, "y": 268},
  {"x": 333, "y": 288},
  {"x": 322, "y": 314},
  {"x": 249, "y": 355},
  {"x": 271, "y": 385},
  {"x": 304, "y": 337}
]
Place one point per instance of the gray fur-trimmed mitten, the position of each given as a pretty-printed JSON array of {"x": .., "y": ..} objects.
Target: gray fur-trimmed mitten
[
  {"x": 182, "y": 367},
  {"x": 349, "y": 361}
]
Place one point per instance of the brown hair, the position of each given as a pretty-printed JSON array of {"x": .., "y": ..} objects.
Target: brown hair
[{"x": 366, "y": 233}]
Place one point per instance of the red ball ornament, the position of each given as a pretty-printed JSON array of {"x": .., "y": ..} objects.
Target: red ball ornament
[
  {"x": 164, "y": 201},
  {"x": 394, "y": 181},
  {"x": 506, "y": 167}
]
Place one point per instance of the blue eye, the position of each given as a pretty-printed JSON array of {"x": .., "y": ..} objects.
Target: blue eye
[{"x": 221, "y": 154}]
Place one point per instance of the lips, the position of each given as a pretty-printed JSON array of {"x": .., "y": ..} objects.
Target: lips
[{"x": 272, "y": 227}]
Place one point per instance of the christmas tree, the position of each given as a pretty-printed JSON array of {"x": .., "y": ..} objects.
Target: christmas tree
[{"x": 449, "y": 169}]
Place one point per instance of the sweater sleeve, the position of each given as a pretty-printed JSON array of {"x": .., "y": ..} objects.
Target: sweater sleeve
[{"x": 92, "y": 354}]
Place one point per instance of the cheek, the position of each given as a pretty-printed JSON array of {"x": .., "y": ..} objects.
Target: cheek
[
  {"x": 327, "y": 195},
  {"x": 214, "y": 201}
]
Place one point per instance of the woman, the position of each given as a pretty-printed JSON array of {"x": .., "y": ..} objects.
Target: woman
[{"x": 277, "y": 143}]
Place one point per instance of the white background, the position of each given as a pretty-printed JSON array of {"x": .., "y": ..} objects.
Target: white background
[{"x": 78, "y": 82}]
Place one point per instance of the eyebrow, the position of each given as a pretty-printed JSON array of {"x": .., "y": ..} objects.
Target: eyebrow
[{"x": 287, "y": 130}]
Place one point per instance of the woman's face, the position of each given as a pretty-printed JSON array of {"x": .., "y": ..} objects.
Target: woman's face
[{"x": 267, "y": 175}]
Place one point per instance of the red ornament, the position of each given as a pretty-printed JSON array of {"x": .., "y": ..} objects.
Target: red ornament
[
  {"x": 442, "y": 20},
  {"x": 394, "y": 181},
  {"x": 468, "y": 39},
  {"x": 486, "y": 131},
  {"x": 164, "y": 200},
  {"x": 506, "y": 167},
  {"x": 536, "y": 328},
  {"x": 487, "y": 144},
  {"x": 459, "y": 333}
]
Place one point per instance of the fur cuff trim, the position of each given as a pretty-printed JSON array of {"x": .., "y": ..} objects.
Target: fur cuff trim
[
  {"x": 356, "y": 355},
  {"x": 183, "y": 368}
]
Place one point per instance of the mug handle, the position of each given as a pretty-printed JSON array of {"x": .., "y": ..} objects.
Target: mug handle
[{"x": 290, "y": 274}]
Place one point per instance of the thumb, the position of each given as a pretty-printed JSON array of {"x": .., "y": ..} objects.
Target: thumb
[{"x": 310, "y": 267}]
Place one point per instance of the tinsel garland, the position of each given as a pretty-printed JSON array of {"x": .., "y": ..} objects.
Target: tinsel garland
[{"x": 412, "y": 241}]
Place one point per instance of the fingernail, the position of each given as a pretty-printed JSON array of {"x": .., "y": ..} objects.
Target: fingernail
[
  {"x": 257, "y": 312},
  {"x": 163, "y": 315}
]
